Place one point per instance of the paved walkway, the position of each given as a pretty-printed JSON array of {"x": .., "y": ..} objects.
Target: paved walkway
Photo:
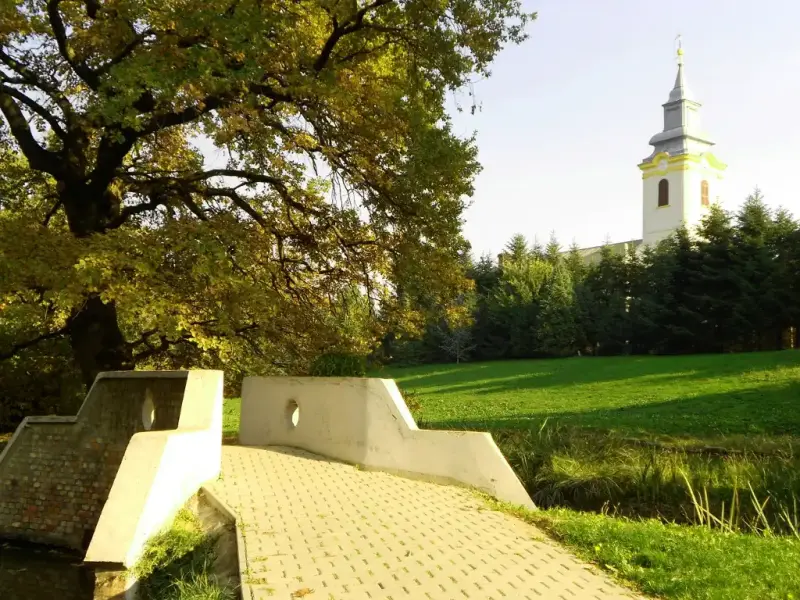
[{"x": 318, "y": 529}]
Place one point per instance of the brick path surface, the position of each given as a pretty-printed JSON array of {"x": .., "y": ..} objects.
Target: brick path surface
[{"x": 319, "y": 529}]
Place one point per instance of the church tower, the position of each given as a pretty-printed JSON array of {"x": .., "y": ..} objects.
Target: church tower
[{"x": 681, "y": 178}]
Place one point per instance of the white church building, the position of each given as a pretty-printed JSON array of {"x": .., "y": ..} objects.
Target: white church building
[{"x": 681, "y": 177}]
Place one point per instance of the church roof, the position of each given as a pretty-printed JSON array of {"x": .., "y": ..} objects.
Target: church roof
[
  {"x": 682, "y": 132},
  {"x": 592, "y": 254},
  {"x": 680, "y": 91}
]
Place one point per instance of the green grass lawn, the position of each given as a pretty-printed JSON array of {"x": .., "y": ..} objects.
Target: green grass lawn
[
  {"x": 231, "y": 416},
  {"x": 637, "y": 436},
  {"x": 679, "y": 562},
  {"x": 755, "y": 394}
]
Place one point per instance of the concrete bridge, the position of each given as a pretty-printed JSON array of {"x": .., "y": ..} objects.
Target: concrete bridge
[{"x": 335, "y": 492}]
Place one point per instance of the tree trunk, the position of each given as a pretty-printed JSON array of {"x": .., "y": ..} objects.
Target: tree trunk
[{"x": 97, "y": 341}]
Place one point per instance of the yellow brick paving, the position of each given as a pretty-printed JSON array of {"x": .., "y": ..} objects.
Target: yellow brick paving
[{"x": 319, "y": 529}]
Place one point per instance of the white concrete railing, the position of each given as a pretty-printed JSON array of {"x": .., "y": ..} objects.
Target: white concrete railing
[
  {"x": 159, "y": 473},
  {"x": 367, "y": 422}
]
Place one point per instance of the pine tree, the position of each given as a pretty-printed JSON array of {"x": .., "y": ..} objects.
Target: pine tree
[
  {"x": 513, "y": 308},
  {"x": 715, "y": 285},
  {"x": 552, "y": 251},
  {"x": 575, "y": 264},
  {"x": 758, "y": 304},
  {"x": 603, "y": 302},
  {"x": 486, "y": 276},
  {"x": 516, "y": 249},
  {"x": 537, "y": 251},
  {"x": 557, "y": 327},
  {"x": 783, "y": 244}
]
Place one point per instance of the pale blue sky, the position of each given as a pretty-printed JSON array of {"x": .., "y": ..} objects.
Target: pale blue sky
[{"x": 566, "y": 116}]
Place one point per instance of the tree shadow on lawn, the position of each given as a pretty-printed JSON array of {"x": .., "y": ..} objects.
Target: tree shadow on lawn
[
  {"x": 536, "y": 374},
  {"x": 763, "y": 411}
]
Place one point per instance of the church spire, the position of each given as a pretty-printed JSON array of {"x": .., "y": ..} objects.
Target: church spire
[
  {"x": 680, "y": 91},
  {"x": 681, "y": 177},
  {"x": 682, "y": 132}
]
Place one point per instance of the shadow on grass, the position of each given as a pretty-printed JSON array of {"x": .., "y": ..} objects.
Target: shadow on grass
[
  {"x": 763, "y": 411},
  {"x": 538, "y": 374}
]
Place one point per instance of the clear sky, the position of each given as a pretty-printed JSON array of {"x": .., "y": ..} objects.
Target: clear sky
[{"x": 566, "y": 116}]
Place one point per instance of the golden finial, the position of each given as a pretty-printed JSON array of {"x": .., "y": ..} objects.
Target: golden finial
[{"x": 679, "y": 51}]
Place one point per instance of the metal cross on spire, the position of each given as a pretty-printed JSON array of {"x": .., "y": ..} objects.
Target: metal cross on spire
[{"x": 679, "y": 48}]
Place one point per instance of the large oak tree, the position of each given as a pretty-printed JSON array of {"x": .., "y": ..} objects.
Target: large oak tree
[{"x": 183, "y": 174}]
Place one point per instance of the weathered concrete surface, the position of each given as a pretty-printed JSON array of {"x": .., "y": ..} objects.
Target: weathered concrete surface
[
  {"x": 160, "y": 471},
  {"x": 366, "y": 422},
  {"x": 56, "y": 472},
  {"x": 316, "y": 529}
]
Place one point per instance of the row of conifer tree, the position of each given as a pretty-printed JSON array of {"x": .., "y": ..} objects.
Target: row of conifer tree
[{"x": 733, "y": 285}]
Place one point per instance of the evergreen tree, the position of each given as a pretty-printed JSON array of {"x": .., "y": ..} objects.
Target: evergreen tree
[
  {"x": 537, "y": 251},
  {"x": 715, "y": 285},
  {"x": 557, "y": 327},
  {"x": 605, "y": 319},
  {"x": 513, "y": 307},
  {"x": 783, "y": 243},
  {"x": 516, "y": 249},
  {"x": 683, "y": 321},
  {"x": 575, "y": 264},
  {"x": 552, "y": 251},
  {"x": 486, "y": 276},
  {"x": 758, "y": 304}
]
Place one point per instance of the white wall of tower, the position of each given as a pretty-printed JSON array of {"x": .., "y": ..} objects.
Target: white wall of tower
[{"x": 685, "y": 199}]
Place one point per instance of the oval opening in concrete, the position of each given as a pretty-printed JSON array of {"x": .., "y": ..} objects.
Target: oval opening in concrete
[
  {"x": 148, "y": 411},
  {"x": 293, "y": 413}
]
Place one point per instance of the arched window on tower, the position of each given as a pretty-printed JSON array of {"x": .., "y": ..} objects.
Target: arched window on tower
[
  {"x": 663, "y": 193},
  {"x": 704, "y": 192}
]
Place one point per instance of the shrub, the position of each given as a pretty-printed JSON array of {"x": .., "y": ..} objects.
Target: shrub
[{"x": 339, "y": 364}]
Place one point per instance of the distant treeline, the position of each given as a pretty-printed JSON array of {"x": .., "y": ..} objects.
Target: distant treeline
[{"x": 731, "y": 286}]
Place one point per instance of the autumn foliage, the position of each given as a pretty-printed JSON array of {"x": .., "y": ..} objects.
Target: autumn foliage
[{"x": 230, "y": 183}]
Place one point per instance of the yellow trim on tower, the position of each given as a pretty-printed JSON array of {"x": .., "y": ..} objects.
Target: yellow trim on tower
[
  {"x": 680, "y": 162},
  {"x": 714, "y": 162}
]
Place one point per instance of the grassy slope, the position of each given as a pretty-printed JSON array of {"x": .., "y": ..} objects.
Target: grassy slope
[
  {"x": 713, "y": 398},
  {"x": 703, "y": 396},
  {"x": 741, "y": 399},
  {"x": 178, "y": 564},
  {"x": 680, "y": 562}
]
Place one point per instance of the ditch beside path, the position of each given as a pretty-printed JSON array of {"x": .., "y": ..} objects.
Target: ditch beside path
[{"x": 319, "y": 529}]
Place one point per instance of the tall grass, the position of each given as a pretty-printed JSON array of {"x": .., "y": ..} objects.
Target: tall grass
[
  {"x": 178, "y": 564},
  {"x": 741, "y": 491}
]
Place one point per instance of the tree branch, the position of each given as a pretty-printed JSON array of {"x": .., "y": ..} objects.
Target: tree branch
[
  {"x": 240, "y": 203},
  {"x": 110, "y": 155},
  {"x": 39, "y": 158},
  {"x": 350, "y": 25},
  {"x": 16, "y": 348},
  {"x": 51, "y": 213},
  {"x": 88, "y": 76},
  {"x": 37, "y": 108},
  {"x": 164, "y": 345},
  {"x": 135, "y": 209},
  {"x": 31, "y": 78},
  {"x": 187, "y": 115},
  {"x": 124, "y": 53}
]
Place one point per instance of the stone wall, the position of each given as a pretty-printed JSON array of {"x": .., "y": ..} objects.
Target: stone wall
[{"x": 56, "y": 472}]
